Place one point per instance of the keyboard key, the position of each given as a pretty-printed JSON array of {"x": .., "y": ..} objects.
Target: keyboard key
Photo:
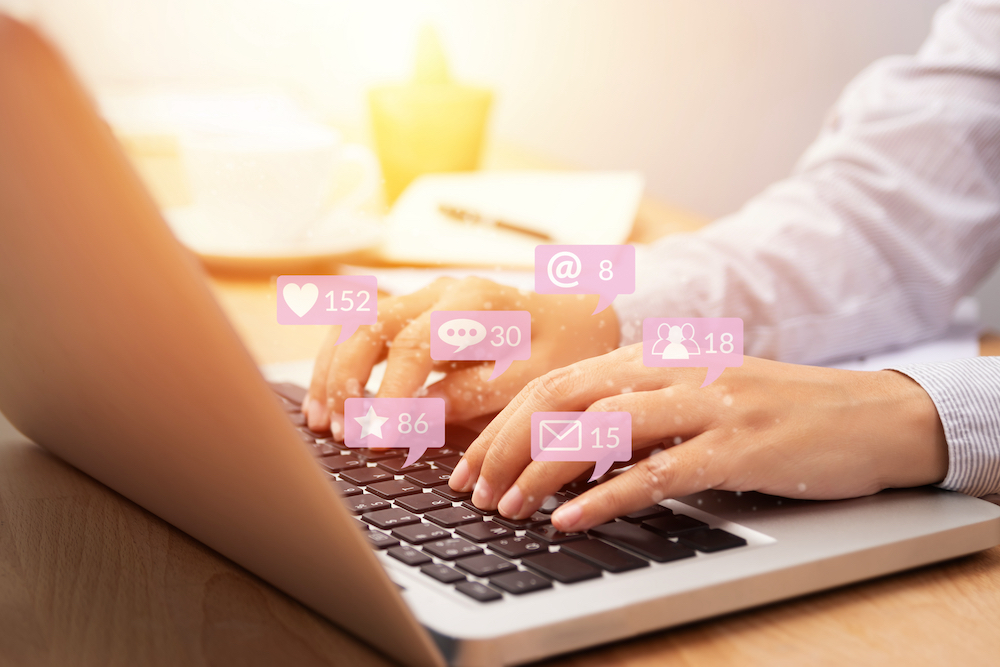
[
  {"x": 297, "y": 418},
  {"x": 381, "y": 540},
  {"x": 393, "y": 488},
  {"x": 362, "y": 525},
  {"x": 419, "y": 533},
  {"x": 485, "y": 565},
  {"x": 548, "y": 533},
  {"x": 672, "y": 526},
  {"x": 536, "y": 519},
  {"x": 484, "y": 531},
  {"x": 378, "y": 454},
  {"x": 644, "y": 542},
  {"x": 450, "y": 517},
  {"x": 339, "y": 462},
  {"x": 469, "y": 506},
  {"x": 422, "y": 502},
  {"x": 345, "y": 488},
  {"x": 365, "y": 475},
  {"x": 429, "y": 477},
  {"x": 553, "y": 502},
  {"x": 395, "y": 465},
  {"x": 517, "y": 547},
  {"x": 478, "y": 591},
  {"x": 448, "y": 462},
  {"x": 562, "y": 567},
  {"x": 452, "y": 548},
  {"x": 604, "y": 556},
  {"x": 710, "y": 539},
  {"x": 325, "y": 448},
  {"x": 306, "y": 437},
  {"x": 409, "y": 555},
  {"x": 366, "y": 502},
  {"x": 445, "y": 492},
  {"x": 520, "y": 582},
  {"x": 288, "y": 391},
  {"x": 443, "y": 573},
  {"x": 315, "y": 435},
  {"x": 390, "y": 518},
  {"x": 440, "y": 453},
  {"x": 652, "y": 512}
]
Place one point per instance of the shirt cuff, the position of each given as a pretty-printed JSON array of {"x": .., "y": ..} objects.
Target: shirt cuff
[{"x": 966, "y": 393}]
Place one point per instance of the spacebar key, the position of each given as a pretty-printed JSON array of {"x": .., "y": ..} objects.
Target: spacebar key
[{"x": 643, "y": 542}]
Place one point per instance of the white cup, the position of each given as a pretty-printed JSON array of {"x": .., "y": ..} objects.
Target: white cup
[{"x": 267, "y": 186}]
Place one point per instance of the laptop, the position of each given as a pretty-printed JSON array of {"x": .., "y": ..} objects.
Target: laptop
[{"x": 115, "y": 357}]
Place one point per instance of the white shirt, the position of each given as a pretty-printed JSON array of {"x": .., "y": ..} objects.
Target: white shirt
[{"x": 890, "y": 217}]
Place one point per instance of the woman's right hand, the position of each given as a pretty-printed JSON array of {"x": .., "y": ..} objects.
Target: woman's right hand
[{"x": 563, "y": 331}]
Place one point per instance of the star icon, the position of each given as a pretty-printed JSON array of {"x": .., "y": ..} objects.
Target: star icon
[{"x": 371, "y": 423}]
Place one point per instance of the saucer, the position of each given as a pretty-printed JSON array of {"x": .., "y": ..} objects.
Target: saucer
[{"x": 339, "y": 235}]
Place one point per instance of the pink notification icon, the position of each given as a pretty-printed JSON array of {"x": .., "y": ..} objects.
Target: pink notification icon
[
  {"x": 601, "y": 437},
  {"x": 607, "y": 270},
  {"x": 481, "y": 335},
  {"x": 416, "y": 424},
  {"x": 681, "y": 342},
  {"x": 349, "y": 301}
]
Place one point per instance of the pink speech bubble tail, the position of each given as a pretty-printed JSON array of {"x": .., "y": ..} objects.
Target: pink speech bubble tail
[
  {"x": 499, "y": 367},
  {"x": 413, "y": 454},
  {"x": 713, "y": 374},
  {"x": 601, "y": 467},
  {"x": 346, "y": 331},
  {"x": 604, "y": 301}
]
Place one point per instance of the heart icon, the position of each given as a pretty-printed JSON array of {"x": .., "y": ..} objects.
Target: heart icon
[{"x": 300, "y": 299}]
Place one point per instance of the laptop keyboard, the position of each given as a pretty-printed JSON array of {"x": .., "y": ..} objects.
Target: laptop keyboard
[{"x": 413, "y": 517}]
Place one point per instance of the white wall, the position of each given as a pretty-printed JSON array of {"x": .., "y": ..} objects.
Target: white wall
[{"x": 712, "y": 99}]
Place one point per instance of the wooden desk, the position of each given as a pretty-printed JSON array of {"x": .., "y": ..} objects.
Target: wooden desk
[{"x": 89, "y": 578}]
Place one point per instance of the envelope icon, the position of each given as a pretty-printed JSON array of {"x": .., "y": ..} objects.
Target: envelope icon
[{"x": 560, "y": 435}]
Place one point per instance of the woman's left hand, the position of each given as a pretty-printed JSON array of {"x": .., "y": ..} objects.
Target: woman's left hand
[{"x": 783, "y": 429}]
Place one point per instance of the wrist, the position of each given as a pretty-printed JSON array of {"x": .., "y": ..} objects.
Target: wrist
[{"x": 912, "y": 449}]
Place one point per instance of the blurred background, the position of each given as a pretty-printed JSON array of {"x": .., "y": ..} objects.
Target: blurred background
[{"x": 710, "y": 100}]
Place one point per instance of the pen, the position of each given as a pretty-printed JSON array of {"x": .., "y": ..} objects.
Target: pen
[{"x": 465, "y": 215}]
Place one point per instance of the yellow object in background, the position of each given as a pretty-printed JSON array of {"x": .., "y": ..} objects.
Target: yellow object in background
[{"x": 431, "y": 124}]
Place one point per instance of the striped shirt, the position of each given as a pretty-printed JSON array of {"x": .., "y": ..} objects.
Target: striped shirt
[{"x": 889, "y": 218}]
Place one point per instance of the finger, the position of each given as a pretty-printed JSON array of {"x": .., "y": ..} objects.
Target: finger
[
  {"x": 677, "y": 412},
  {"x": 694, "y": 466},
  {"x": 317, "y": 416},
  {"x": 569, "y": 389},
  {"x": 514, "y": 418},
  {"x": 351, "y": 366},
  {"x": 409, "y": 359}
]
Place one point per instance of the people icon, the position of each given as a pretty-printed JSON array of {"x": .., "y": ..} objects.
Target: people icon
[{"x": 673, "y": 342}]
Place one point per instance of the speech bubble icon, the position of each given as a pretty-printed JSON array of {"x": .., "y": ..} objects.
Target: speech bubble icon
[
  {"x": 503, "y": 336},
  {"x": 715, "y": 343},
  {"x": 349, "y": 301},
  {"x": 601, "y": 437},
  {"x": 462, "y": 333},
  {"x": 605, "y": 270},
  {"x": 414, "y": 424}
]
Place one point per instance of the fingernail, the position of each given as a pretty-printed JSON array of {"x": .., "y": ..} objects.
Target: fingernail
[
  {"x": 305, "y": 404},
  {"x": 316, "y": 416},
  {"x": 567, "y": 518},
  {"x": 511, "y": 503},
  {"x": 337, "y": 426},
  {"x": 482, "y": 497},
  {"x": 460, "y": 476}
]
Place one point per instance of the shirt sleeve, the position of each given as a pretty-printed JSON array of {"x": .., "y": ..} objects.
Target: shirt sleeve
[
  {"x": 890, "y": 217},
  {"x": 967, "y": 396}
]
